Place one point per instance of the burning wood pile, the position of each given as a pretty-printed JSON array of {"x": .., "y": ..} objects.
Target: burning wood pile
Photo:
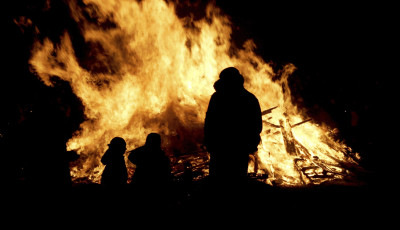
[
  {"x": 310, "y": 168},
  {"x": 142, "y": 69}
]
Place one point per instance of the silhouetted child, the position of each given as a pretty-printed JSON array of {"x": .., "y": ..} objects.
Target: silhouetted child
[
  {"x": 152, "y": 165},
  {"x": 115, "y": 173},
  {"x": 152, "y": 178}
]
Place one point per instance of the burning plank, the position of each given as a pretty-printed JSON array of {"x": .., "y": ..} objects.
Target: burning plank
[{"x": 265, "y": 112}]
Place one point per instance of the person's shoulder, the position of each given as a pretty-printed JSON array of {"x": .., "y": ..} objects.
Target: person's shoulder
[
  {"x": 249, "y": 95},
  {"x": 215, "y": 95},
  {"x": 138, "y": 150}
]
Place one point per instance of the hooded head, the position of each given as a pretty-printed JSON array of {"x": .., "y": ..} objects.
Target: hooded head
[
  {"x": 118, "y": 143},
  {"x": 153, "y": 140},
  {"x": 230, "y": 80}
]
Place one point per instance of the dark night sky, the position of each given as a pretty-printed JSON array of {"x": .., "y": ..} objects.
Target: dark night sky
[{"x": 341, "y": 51}]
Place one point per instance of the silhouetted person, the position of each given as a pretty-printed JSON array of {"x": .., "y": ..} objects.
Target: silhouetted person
[
  {"x": 152, "y": 165},
  {"x": 115, "y": 173},
  {"x": 232, "y": 127},
  {"x": 152, "y": 178}
]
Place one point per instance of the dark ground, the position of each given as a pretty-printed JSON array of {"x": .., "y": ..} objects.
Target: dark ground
[{"x": 255, "y": 205}]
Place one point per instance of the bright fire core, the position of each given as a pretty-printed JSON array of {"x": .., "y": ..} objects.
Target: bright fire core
[{"x": 149, "y": 70}]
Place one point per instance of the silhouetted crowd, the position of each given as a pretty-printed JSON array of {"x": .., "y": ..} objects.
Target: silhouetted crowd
[{"x": 232, "y": 132}]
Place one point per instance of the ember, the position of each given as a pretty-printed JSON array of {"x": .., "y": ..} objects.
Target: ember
[{"x": 148, "y": 70}]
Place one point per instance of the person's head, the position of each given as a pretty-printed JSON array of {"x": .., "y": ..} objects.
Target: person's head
[
  {"x": 230, "y": 79},
  {"x": 118, "y": 143},
  {"x": 153, "y": 140}
]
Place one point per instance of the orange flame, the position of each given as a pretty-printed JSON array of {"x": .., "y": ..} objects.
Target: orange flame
[{"x": 149, "y": 71}]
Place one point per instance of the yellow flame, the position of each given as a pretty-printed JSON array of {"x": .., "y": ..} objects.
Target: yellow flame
[{"x": 156, "y": 75}]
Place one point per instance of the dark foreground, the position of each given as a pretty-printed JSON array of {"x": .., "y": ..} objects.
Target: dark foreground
[{"x": 254, "y": 204}]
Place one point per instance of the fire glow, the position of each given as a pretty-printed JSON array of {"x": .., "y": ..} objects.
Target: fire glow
[{"x": 150, "y": 71}]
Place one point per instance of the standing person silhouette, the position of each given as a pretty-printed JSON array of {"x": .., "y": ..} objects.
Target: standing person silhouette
[
  {"x": 152, "y": 178},
  {"x": 115, "y": 173},
  {"x": 152, "y": 165},
  {"x": 232, "y": 127}
]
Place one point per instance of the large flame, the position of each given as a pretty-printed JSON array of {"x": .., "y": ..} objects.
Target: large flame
[{"x": 150, "y": 71}]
